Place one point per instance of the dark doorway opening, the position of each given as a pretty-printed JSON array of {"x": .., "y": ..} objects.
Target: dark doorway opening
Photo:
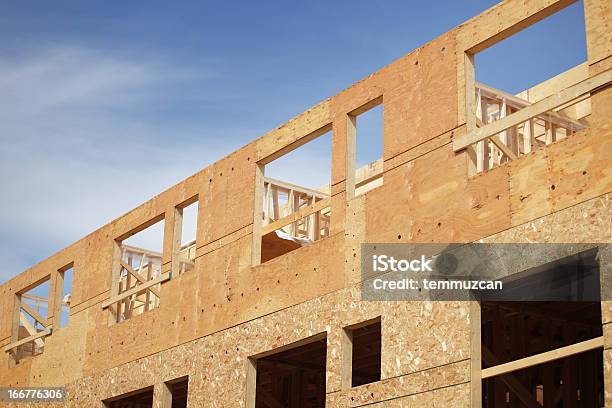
[{"x": 293, "y": 378}]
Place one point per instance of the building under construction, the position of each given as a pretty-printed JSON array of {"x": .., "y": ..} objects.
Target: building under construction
[{"x": 264, "y": 308}]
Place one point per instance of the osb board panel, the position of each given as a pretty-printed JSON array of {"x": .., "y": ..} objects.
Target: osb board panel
[
  {"x": 447, "y": 340},
  {"x": 580, "y": 168},
  {"x": 229, "y": 349},
  {"x": 582, "y": 223},
  {"x": 405, "y": 385},
  {"x": 598, "y": 16},
  {"x": 448, "y": 397},
  {"x": 586, "y": 222}
]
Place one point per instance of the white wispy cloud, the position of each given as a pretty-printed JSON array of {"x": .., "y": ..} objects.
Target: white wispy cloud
[
  {"x": 87, "y": 135},
  {"x": 81, "y": 142}
]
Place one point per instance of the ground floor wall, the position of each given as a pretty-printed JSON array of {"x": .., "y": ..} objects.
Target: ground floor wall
[{"x": 425, "y": 357}]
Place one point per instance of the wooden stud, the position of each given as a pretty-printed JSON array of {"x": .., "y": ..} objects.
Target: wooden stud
[
  {"x": 475, "y": 355},
  {"x": 351, "y": 145},
  {"x": 45, "y": 322},
  {"x": 136, "y": 289},
  {"x": 162, "y": 396},
  {"x": 347, "y": 359},
  {"x": 251, "y": 383},
  {"x": 545, "y": 357},
  {"x": 296, "y": 216},
  {"x": 13, "y": 345},
  {"x": 177, "y": 237},
  {"x": 257, "y": 215}
]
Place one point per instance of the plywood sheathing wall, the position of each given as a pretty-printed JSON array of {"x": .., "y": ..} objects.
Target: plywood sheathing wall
[{"x": 229, "y": 306}]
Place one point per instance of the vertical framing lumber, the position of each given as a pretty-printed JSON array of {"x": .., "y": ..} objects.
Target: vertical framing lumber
[
  {"x": 351, "y": 142},
  {"x": 177, "y": 232},
  {"x": 113, "y": 316},
  {"x": 15, "y": 329},
  {"x": 347, "y": 359},
  {"x": 470, "y": 96},
  {"x": 475, "y": 355},
  {"x": 351, "y": 147},
  {"x": 251, "y": 383},
  {"x": 162, "y": 396},
  {"x": 470, "y": 112},
  {"x": 56, "y": 298},
  {"x": 257, "y": 215}
]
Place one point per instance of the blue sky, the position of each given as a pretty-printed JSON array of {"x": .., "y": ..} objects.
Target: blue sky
[{"x": 106, "y": 104}]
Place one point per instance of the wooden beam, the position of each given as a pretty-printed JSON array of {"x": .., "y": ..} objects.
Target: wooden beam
[
  {"x": 294, "y": 187},
  {"x": 162, "y": 396},
  {"x": 34, "y": 314},
  {"x": 138, "y": 276},
  {"x": 257, "y": 215},
  {"x": 475, "y": 355},
  {"x": 43, "y": 333},
  {"x": 558, "y": 118},
  {"x": 502, "y": 146},
  {"x": 545, "y": 357},
  {"x": 162, "y": 278},
  {"x": 350, "y": 158},
  {"x": 30, "y": 329},
  {"x": 296, "y": 216},
  {"x": 177, "y": 236},
  {"x": 251, "y": 383},
  {"x": 538, "y": 108},
  {"x": 347, "y": 359}
]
